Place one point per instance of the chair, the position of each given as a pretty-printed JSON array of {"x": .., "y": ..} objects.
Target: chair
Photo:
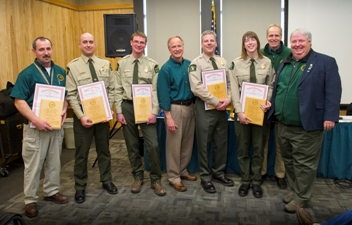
[{"x": 349, "y": 110}]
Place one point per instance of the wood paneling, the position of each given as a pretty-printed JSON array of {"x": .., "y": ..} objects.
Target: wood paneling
[{"x": 24, "y": 20}]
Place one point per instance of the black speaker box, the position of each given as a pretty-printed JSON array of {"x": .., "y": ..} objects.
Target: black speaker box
[{"x": 118, "y": 30}]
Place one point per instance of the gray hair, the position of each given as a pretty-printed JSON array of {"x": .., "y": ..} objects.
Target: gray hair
[
  {"x": 208, "y": 32},
  {"x": 302, "y": 31}
]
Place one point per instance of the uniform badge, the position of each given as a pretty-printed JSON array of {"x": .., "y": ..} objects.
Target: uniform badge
[
  {"x": 263, "y": 66},
  {"x": 156, "y": 69},
  {"x": 102, "y": 69},
  {"x": 302, "y": 67},
  {"x": 60, "y": 77},
  {"x": 232, "y": 66},
  {"x": 222, "y": 63},
  {"x": 192, "y": 68},
  {"x": 146, "y": 69}
]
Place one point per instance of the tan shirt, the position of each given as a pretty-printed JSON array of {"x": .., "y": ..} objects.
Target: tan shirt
[
  {"x": 147, "y": 74},
  {"x": 203, "y": 63},
  {"x": 78, "y": 73},
  {"x": 265, "y": 74}
]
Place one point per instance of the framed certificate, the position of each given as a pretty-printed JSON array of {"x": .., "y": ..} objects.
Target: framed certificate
[
  {"x": 253, "y": 90},
  {"x": 215, "y": 82},
  {"x": 95, "y": 101},
  {"x": 142, "y": 102},
  {"x": 46, "y": 104}
]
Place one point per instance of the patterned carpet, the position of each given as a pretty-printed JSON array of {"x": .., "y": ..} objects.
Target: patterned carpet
[{"x": 193, "y": 207}]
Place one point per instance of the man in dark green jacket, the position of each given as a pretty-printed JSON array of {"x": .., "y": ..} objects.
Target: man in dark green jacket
[{"x": 276, "y": 51}]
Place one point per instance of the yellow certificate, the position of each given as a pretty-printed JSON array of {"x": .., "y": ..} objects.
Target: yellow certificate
[
  {"x": 253, "y": 111},
  {"x": 142, "y": 108},
  {"x": 50, "y": 111},
  {"x": 94, "y": 109},
  {"x": 218, "y": 90}
]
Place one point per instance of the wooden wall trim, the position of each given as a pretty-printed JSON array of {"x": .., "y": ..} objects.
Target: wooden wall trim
[
  {"x": 90, "y": 8},
  {"x": 62, "y": 3}
]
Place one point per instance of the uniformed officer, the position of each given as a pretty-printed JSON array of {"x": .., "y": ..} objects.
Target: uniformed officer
[
  {"x": 211, "y": 125},
  {"x": 84, "y": 70},
  {"x": 253, "y": 67},
  {"x": 145, "y": 71}
]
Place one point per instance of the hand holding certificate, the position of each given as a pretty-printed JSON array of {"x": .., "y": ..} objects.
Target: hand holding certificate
[
  {"x": 253, "y": 111},
  {"x": 95, "y": 102},
  {"x": 94, "y": 109},
  {"x": 48, "y": 104},
  {"x": 215, "y": 82}
]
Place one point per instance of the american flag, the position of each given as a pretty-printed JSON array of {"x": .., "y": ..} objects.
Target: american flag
[{"x": 213, "y": 23}]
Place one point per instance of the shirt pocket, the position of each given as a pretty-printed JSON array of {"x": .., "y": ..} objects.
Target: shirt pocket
[
  {"x": 242, "y": 76},
  {"x": 104, "y": 76},
  {"x": 145, "y": 77},
  {"x": 84, "y": 78}
]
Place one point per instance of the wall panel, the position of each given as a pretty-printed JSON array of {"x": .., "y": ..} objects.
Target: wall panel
[{"x": 24, "y": 20}]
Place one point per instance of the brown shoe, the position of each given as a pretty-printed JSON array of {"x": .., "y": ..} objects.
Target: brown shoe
[
  {"x": 58, "y": 198},
  {"x": 293, "y": 206},
  {"x": 288, "y": 198},
  {"x": 190, "y": 177},
  {"x": 158, "y": 189},
  {"x": 303, "y": 217},
  {"x": 136, "y": 186},
  {"x": 179, "y": 186},
  {"x": 31, "y": 210}
]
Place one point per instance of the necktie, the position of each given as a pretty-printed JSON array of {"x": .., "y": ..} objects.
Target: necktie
[
  {"x": 252, "y": 77},
  {"x": 135, "y": 72},
  {"x": 214, "y": 63},
  {"x": 92, "y": 70}
]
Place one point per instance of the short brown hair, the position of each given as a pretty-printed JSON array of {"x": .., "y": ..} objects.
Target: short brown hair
[{"x": 140, "y": 34}]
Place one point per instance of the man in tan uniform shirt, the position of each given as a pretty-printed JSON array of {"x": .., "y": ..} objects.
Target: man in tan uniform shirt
[
  {"x": 147, "y": 74},
  {"x": 79, "y": 73},
  {"x": 211, "y": 125}
]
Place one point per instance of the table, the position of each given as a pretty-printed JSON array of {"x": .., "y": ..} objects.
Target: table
[{"x": 335, "y": 159}]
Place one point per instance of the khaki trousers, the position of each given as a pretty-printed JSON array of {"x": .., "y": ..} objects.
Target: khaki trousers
[
  {"x": 279, "y": 167},
  {"x": 40, "y": 147},
  {"x": 179, "y": 145}
]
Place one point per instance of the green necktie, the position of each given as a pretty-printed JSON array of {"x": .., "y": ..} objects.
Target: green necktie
[
  {"x": 92, "y": 71},
  {"x": 135, "y": 72},
  {"x": 252, "y": 77},
  {"x": 214, "y": 63}
]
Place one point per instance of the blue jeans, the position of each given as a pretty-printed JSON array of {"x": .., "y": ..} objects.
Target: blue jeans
[{"x": 342, "y": 219}]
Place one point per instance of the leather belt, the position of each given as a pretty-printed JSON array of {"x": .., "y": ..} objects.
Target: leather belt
[
  {"x": 25, "y": 120},
  {"x": 129, "y": 101},
  {"x": 182, "y": 103}
]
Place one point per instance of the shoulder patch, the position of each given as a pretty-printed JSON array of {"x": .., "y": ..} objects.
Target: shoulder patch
[
  {"x": 156, "y": 69},
  {"x": 67, "y": 70},
  {"x": 232, "y": 66},
  {"x": 192, "y": 68},
  {"x": 117, "y": 66}
]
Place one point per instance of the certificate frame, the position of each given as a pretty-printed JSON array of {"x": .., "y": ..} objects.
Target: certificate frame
[
  {"x": 142, "y": 102},
  {"x": 253, "y": 90},
  {"x": 96, "y": 89},
  {"x": 212, "y": 77},
  {"x": 47, "y": 92}
]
